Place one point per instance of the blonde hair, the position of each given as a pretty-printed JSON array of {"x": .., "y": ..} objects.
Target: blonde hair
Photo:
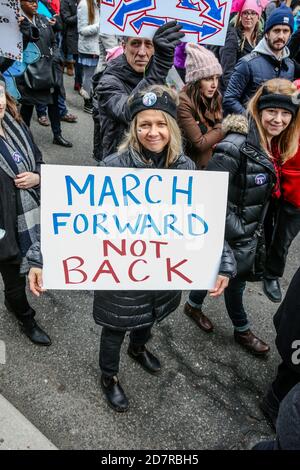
[
  {"x": 91, "y": 11},
  {"x": 175, "y": 143},
  {"x": 288, "y": 140}
]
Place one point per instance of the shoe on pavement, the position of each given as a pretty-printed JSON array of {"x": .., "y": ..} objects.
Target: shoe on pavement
[
  {"x": 59, "y": 140},
  {"x": 69, "y": 117},
  {"x": 251, "y": 342},
  {"x": 145, "y": 358},
  {"x": 88, "y": 107},
  {"x": 271, "y": 288},
  {"x": 114, "y": 393},
  {"x": 199, "y": 318},
  {"x": 44, "y": 121}
]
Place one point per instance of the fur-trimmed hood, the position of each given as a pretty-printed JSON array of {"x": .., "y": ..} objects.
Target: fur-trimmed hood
[{"x": 236, "y": 123}]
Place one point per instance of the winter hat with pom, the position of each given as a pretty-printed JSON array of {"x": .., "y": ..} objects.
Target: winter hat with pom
[{"x": 200, "y": 63}]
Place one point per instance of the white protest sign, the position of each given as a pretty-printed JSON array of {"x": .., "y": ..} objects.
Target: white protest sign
[
  {"x": 11, "y": 44},
  {"x": 122, "y": 228},
  {"x": 204, "y": 21}
]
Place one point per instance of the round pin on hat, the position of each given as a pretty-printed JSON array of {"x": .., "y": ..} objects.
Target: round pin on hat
[{"x": 149, "y": 99}]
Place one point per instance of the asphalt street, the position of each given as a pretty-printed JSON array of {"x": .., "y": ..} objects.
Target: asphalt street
[{"x": 206, "y": 396}]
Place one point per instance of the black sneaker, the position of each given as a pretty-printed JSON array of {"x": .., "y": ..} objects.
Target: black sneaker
[
  {"x": 114, "y": 393},
  {"x": 88, "y": 106}
]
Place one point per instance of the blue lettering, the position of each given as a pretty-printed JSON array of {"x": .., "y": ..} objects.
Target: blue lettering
[
  {"x": 89, "y": 182},
  {"x": 132, "y": 229},
  {"x": 170, "y": 224},
  {"x": 98, "y": 225},
  {"x": 78, "y": 219},
  {"x": 147, "y": 195},
  {"x": 188, "y": 191},
  {"x": 149, "y": 223},
  {"x": 56, "y": 223},
  {"x": 202, "y": 221},
  {"x": 128, "y": 192},
  {"x": 108, "y": 190}
]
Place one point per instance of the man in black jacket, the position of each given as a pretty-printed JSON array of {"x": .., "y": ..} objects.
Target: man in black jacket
[{"x": 143, "y": 63}]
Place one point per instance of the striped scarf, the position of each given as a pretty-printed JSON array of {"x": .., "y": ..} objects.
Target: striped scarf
[{"x": 28, "y": 212}]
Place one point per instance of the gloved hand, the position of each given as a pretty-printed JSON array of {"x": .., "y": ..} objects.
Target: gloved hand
[{"x": 167, "y": 37}]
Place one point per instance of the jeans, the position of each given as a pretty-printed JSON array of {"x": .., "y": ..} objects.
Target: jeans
[
  {"x": 14, "y": 291},
  {"x": 110, "y": 347},
  {"x": 26, "y": 112},
  {"x": 287, "y": 227},
  {"x": 41, "y": 110},
  {"x": 233, "y": 295}
]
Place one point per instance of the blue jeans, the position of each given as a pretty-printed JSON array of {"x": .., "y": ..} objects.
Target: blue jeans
[
  {"x": 41, "y": 110},
  {"x": 233, "y": 295}
]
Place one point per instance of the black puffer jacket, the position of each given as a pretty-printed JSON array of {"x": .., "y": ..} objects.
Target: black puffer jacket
[
  {"x": 251, "y": 176},
  {"x": 117, "y": 83},
  {"x": 125, "y": 310}
]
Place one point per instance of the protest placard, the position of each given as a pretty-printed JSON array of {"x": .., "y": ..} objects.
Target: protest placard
[
  {"x": 129, "y": 229},
  {"x": 204, "y": 21},
  {"x": 11, "y": 45}
]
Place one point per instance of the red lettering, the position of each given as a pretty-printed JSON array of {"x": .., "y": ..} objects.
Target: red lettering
[
  {"x": 109, "y": 270},
  {"x": 130, "y": 271},
  {"x": 157, "y": 247},
  {"x": 120, "y": 251},
  {"x": 67, "y": 270},
  {"x": 173, "y": 269},
  {"x": 133, "y": 250}
]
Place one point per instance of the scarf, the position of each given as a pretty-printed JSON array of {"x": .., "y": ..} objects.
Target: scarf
[{"x": 28, "y": 213}]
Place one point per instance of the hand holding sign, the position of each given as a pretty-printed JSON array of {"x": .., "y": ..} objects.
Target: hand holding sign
[{"x": 168, "y": 36}]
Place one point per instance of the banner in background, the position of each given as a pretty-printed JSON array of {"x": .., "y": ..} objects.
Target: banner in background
[
  {"x": 203, "y": 21},
  {"x": 11, "y": 43},
  {"x": 123, "y": 228}
]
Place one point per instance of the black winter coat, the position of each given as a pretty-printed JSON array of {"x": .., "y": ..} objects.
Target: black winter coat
[
  {"x": 126, "y": 310},
  {"x": 68, "y": 13},
  {"x": 287, "y": 324},
  {"x": 231, "y": 53},
  {"x": 251, "y": 177},
  {"x": 249, "y": 73},
  {"x": 117, "y": 83},
  {"x": 47, "y": 45}
]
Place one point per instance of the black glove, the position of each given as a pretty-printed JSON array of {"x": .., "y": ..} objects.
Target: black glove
[{"x": 167, "y": 37}]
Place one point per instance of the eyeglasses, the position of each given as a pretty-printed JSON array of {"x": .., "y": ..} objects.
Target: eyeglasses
[{"x": 249, "y": 13}]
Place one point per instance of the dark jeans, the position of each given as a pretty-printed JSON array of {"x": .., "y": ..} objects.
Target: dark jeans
[
  {"x": 110, "y": 347},
  {"x": 14, "y": 291},
  {"x": 287, "y": 227},
  {"x": 53, "y": 112},
  {"x": 41, "y": 110},
  {"x": 78, "y": 70},
  {"x": 285, "y": 380},
  {"x": 233, "y": 295}
]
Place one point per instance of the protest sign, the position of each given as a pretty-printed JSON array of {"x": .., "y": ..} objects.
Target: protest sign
[
  {"x": 129, "y": 229},
  {"x": 11, "y": 44},
  {"x": 203, "y": 21}
]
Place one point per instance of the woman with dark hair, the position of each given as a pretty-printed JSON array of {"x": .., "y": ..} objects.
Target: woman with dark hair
[
  {"x": 200, "y": 104},
  {"x": 20, "y": 160},
  {"x": 249, "y": 153}
]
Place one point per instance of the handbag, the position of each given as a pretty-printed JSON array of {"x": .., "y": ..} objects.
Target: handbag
[{"x": 40, "y": 75}]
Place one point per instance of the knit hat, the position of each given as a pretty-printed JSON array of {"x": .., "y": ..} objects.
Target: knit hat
[
  {"x": 253, "y": 5},
  {"x": 113, "y": 53},
  {"x": 277, "y": 100},
  {"x": 200, "y": 63},
  {"x": 151, "y": 100},
  {"x": 282, "y": 15}
]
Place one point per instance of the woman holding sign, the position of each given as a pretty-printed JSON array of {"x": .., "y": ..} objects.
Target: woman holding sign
[
  {"x": 153, "y": 141},
  {"x": 252, "y": 152},
  {"x": 19, "y": 216}
]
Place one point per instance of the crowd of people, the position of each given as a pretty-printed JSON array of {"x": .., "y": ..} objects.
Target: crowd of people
[{"x": 237, "y": 112}]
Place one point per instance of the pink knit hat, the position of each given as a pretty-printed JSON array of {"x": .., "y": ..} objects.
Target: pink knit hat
[
  {"x": 200, "y": 63},
  {"x": 114, "y": 52},
  {"x": 254, "y": 5}
]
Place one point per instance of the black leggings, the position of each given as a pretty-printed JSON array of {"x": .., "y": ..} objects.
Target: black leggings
[
  {"x": 53, "y": 112},
  {"x": 14, "y": 291}
]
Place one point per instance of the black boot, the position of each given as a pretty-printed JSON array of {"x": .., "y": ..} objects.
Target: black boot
[
  {"x": 30, "y": 327},
  {"x": 59, "y": 140},
  {"x": 144, "y": 357},
  {"x": 88, "y": 106},
  {"x": 114, "y": 393},
  {"x": 271, "y": 288},
  {"x": 270, "y": 408}
]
